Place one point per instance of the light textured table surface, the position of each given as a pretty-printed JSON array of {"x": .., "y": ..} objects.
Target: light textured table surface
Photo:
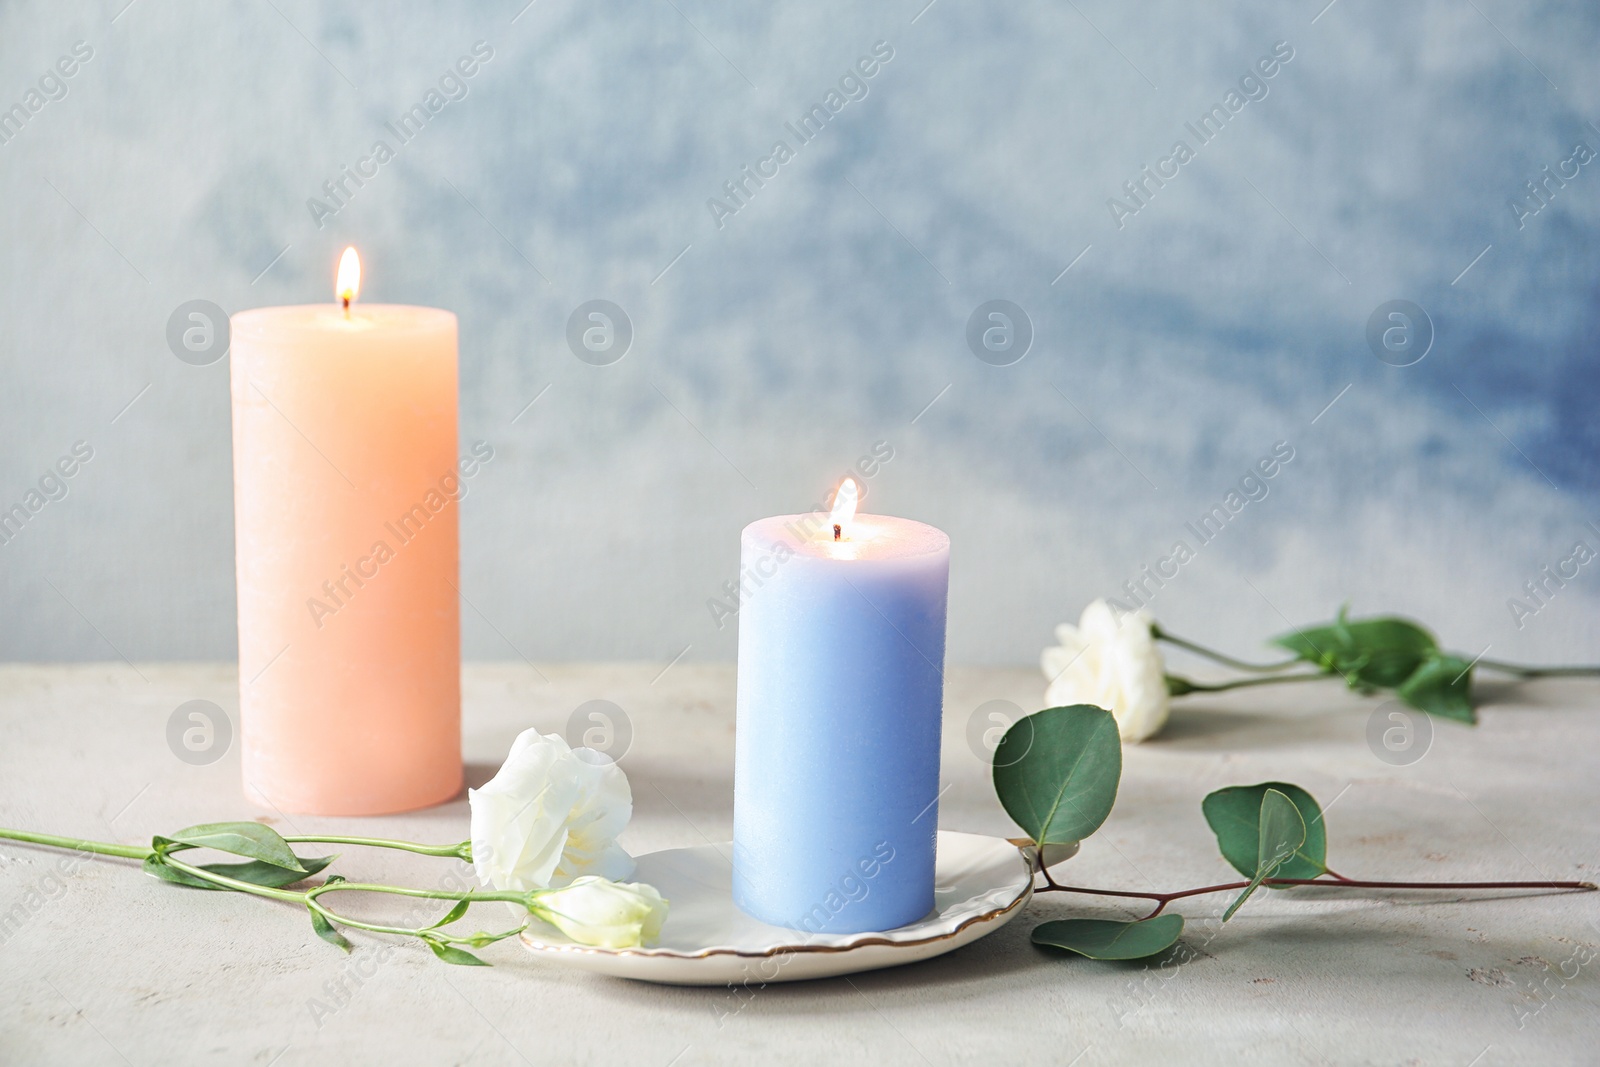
[{"x": 101, "y": 964}]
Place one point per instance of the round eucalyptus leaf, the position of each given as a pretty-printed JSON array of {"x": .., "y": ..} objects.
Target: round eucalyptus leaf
[
  {"x": 1056, "y": 772},
  {"x": 1235, "y": 817},
  {"x": 1107, "y": 939},
  {"x": 1282, "y": 831}
]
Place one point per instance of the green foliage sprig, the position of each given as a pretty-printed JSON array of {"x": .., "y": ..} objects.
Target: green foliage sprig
[
  {"x": 1370, "y": 654},
  {"x": 1056, "y": 773},
  {"x": 272, "y": 866}
]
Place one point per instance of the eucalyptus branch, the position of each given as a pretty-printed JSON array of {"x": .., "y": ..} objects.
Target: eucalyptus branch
[
  {"x": 1272, "y": 833},
  {"x": 1329, "y": 880}
]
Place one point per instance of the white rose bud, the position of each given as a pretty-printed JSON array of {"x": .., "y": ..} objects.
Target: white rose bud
[
  {"x": 551, "y": 814},
  {"x": 593, "y": 911},
  {"x": 1113, "y": 663}
]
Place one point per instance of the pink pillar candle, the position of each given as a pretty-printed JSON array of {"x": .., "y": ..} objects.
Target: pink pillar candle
[{"x": 345, "y": 502}]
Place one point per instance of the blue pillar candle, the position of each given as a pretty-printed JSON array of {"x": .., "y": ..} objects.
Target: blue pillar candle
[{"x": 840, "y": 695}]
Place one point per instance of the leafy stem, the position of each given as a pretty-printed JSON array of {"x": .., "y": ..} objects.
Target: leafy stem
[
  {"x": 432, "y": 935},
  {"x": 275, "y": 867},
  {"x": 1272, "y": 833},
  {"x": 1221, "y": 657},
  {"x": 427, "y": 933},
  {"x": 226, "y": 882}
]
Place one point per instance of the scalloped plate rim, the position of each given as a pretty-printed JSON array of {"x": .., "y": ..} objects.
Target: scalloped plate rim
[{"x": 718, "y": 964}]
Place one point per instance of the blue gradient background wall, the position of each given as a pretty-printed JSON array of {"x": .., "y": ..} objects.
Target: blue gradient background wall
[{"x": 824, "y": 316}]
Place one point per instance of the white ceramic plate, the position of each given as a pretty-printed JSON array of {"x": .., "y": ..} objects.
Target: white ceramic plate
[{"x": 980, "y": 883}]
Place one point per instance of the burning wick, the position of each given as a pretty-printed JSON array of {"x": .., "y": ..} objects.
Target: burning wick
[
  {"x": 844, "y": 507},
  {"x": 348, "y": 283}
]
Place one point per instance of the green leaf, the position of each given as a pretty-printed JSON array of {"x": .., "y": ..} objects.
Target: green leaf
[
  {"x": 453, "y": 914},
  {"x": 1056, "y": 772},
  {"x": 482, "y": 938},
  {"x": 248, "y": 839},
  {"x": 270, "y": 874},
  {"x": 1378, "y": 652},
  {"x": 156, "y": 869},
  {"x": 451, "y": 954},
  {"x": 325, "y": 930},
  {"x": 1283, "y": 831},
  {"x": 1442, "y": 686},
  {"x": 256, "y": 873},
  {"x": 1107, "y": 939},
  {"x": 1235, "y": 817}
]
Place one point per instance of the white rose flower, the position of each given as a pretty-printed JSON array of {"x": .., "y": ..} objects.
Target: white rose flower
[
  {"x": 593, "y": 911},
  {"x": 550, "y": 815},
  {"x": 1112, "y": 663}
]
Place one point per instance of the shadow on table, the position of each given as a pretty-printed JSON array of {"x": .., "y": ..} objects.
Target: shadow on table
[
  {"x": 477, "y": 774},
  {"x": 1250, "y": 951},
  {"x": 950, "y": 978},
  {"x": 1337, "y": 715},
  {"x": 1568, "y": 694},
  {"x": 1213, "y": 724}
]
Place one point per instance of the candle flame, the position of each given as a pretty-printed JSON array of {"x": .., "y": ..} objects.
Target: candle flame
[
  {"x": 844, "y": 509},
  {"x": 348, "y": 285}
]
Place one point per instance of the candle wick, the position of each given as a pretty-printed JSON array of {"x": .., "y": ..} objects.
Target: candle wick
[
  {"x": 346, "y": 300},
  {"x": 836, "y": 531}
]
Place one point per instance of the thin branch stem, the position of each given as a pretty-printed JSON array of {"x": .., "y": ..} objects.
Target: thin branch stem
[
  {"x": 1536, "y": 672},
  {"x": 430, "y": 894},
  {"x": 509, "y": 896},
  {"x": 288, "y": 895},
  {"x": 460, "y": 850},
  {"x": 1359, "y": 883},
  {"x": 78, "y": 844},
  {"x": 1221, "y": 657},
  {"x": 1335, "y": 881},
  {"x": 309, "y": 899},
  {"x": 1242, "y": 683},
  {"x": 1049, "y": 882}
]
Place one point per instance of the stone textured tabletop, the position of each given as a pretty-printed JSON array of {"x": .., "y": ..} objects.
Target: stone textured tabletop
[{"x": 99, "y": 964}]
